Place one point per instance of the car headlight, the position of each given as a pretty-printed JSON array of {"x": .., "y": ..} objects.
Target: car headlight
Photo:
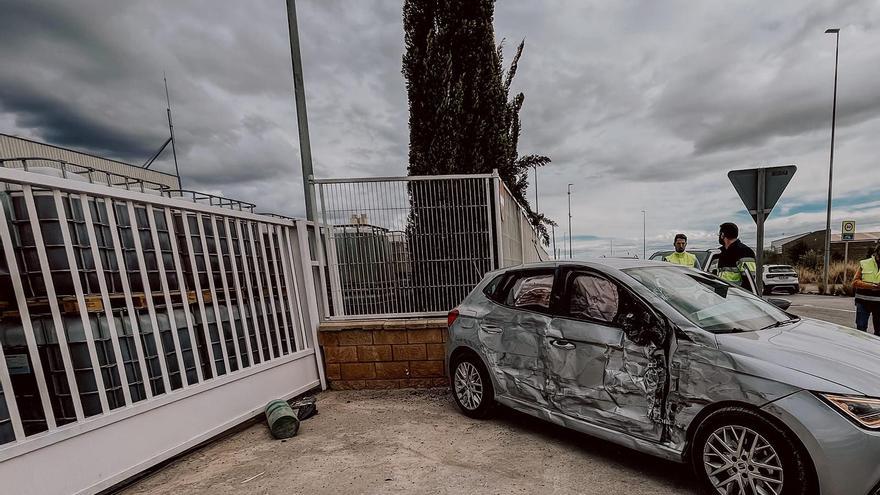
[{"x": 863, "y": 410}]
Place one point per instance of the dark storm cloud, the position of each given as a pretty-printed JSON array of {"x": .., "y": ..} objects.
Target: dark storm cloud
[{"x": 642, "y": 105}]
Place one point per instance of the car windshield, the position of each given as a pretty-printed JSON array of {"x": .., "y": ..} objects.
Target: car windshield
[
  {"x": 702, "y": 256},
  {"x": 708, "y": 302}
]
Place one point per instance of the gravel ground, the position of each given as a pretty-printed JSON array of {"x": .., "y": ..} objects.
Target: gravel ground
[{"x": 415, "y": 441}]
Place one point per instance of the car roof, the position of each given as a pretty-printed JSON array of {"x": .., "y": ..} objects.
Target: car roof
[{"x": 617, "y": 263}]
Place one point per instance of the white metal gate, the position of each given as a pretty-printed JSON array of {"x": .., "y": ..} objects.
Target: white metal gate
[{"x": 134, "y": 325}]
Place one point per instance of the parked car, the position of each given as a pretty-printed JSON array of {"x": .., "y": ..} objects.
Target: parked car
[
  {"x": 781, "y": 278},
  {"x": 673, "y": 362}
]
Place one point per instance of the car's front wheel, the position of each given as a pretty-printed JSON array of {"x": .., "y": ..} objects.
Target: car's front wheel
[
  {"x": 737, "y": 452},
  {"x": 472, "y": 387}
]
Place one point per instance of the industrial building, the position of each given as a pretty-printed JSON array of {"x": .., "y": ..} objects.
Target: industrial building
[{"x": 18, "y": 147}]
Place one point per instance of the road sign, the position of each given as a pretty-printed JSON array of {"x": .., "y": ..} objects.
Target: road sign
[
  {"x": 746, "y": 184},
  {"x": 848, "y": 230},
  {"x": 760, "y": 189}
]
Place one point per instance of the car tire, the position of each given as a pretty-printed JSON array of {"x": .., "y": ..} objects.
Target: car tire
[
  {"x": 767, "y": 452},
  {"x": 472, "y": 387}
]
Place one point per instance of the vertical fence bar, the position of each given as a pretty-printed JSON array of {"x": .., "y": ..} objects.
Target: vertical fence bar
[
  {"x": 330, "y": 243},
  {"x": 27, "y": 326},
  {"x": 166, "y": 294},
  {"x": 151, "y": 309},
  {"x": 129, "y": 304},
  {"x": 53, "y": 301},
  {"x": 9, "y": 399},
  {"x": 250, "y": 289},
  {"x": 226, "y": 290},
  {"x": 200, "y": 297},
  {"x": 256, "y": 268},
  {"x": 238, "y": 292},
  {"x": 105, "y": 296},
  {"x": 80, "y": 297},
  {"x": 214, "y": 302},
  {"x": 299, "y": 336},
  {"x": 184, "y": 296},
  {"x": 492, "y": 263},
  {"x": 276, "y": 253},
  {"x": 498, "y": 228},
  {"x": 306, "y": 261},
  {"x": 269, "y": 284}
]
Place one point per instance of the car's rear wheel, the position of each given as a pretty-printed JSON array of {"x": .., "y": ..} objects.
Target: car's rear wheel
[
  {"x": 472, "y": 387},
  {"x": 737, "y": 452}
]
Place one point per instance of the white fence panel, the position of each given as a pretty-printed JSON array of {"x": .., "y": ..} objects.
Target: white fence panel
[{"x": 134, "y": 326}]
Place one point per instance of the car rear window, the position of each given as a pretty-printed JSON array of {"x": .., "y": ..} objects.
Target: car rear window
[{"x": 781, "y": 269}]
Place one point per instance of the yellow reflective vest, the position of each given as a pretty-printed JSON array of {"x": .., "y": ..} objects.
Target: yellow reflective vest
[
  {"x": 685, "y": 258},
  {"x": 871, "y": 274}
]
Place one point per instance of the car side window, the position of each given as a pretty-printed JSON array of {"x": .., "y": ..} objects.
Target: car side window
[
  {"x": 493, "y": 288},
  {"x": 530, "y": 291},
  {"x": 592, "y": 297}
]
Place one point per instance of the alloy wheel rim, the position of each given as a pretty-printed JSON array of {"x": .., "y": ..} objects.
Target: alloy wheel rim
[
  {"x": 740, "y": 461},
  {"x": 468, "y": 386}
]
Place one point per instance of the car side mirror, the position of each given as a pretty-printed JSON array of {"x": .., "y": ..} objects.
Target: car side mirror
[
  {"x": 642, "y": 328},
  {"x": 782, "y": 304}
]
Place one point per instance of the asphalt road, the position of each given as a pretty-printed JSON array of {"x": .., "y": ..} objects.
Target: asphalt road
[{"x": 840, "y": 310}]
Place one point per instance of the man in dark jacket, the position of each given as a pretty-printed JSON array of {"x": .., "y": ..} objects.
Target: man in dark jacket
[{"x": 735, "y": 256}]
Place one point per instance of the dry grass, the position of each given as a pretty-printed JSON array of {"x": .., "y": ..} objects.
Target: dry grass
[{"x": 839, "y": 286}]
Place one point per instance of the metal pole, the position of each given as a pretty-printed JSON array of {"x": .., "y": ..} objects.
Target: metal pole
[
  {"x": 536, "y": 188},
  {"x": 612, "y": 248},
  {"x": 759, "y": 275},
  {"x": 302, "y": 120},
  {"x": 845, "y": 260},
  {"x": 644, "y": 235},
  {"x": 553, "y": 230},
  {"x": 171, "y": 130},
  {"x": 569, "y": 221},
  {"x": 836, "y": 32}
]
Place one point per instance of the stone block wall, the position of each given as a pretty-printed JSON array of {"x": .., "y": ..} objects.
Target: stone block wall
[{"x": 383, "y": 354}]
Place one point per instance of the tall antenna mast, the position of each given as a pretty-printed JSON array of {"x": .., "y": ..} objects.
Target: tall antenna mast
[{"x": 171, "y": 130}]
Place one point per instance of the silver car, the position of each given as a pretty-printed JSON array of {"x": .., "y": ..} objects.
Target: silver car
[{"x": 676, "y": 363}]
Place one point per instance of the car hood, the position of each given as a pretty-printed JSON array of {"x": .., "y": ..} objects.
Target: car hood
[{"x": 844, "y": 356}]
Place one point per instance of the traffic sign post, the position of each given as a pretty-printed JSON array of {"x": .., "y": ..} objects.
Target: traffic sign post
[
  {"x": 760, "y": 189},
  {"x": 847, "y": 234}
]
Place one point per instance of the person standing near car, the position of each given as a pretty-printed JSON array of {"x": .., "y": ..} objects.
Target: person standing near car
[
  {"x": 680, "y": 256},
  {"x": 735, "y": 256},
  {"x": 867, "y": 288}
]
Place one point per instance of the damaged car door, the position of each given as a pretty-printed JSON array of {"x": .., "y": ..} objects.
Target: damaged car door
[
  {"x": 511, "y": 332},
  {"x": 601, "y": 364}
]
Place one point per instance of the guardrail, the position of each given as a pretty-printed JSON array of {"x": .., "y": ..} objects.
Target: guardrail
[{"x": 117, "y": 304}]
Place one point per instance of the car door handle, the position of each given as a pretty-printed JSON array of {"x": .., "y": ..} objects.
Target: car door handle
[
  {"x": 562, "y": 344},
  {"x": 491, "y": 329}
]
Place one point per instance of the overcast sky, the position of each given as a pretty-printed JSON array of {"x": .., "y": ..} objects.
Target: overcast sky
[{"x": 643, "y": 105}]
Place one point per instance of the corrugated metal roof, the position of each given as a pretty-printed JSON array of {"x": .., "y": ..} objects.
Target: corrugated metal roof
[{"x": 15, "y": 147}]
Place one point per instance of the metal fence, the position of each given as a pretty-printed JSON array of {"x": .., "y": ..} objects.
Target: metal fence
[
  {"x": 112, "y": 300},
  {"x": 417, "y": 245}
]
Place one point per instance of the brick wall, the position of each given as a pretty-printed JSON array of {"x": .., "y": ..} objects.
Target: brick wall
[{"x": 382, "y": 354}]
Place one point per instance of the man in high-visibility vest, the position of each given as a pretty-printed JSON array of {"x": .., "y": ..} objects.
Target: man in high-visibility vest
[
  {"x": 680, "y": 256},
  {"x": 735, "y": 256},
  {"x": 867, "y": 287}
]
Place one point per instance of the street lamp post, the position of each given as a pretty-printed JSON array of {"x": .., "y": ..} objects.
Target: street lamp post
[
  {"x": 644, "y": 235},
  {"x": 569, "y": 221},
  {"x": 836, "y": 33}
]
